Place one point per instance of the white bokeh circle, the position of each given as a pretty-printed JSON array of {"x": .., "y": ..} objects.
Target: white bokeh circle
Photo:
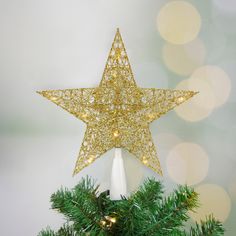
[
  {"x": 213, "y": 199},
  {"x": 198, "y": 107},
  {"x": 178, "y": 22},
  {"x": 217, "y": 79},
  {"x": 187, "y": 163}
]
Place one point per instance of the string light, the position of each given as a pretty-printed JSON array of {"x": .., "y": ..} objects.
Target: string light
[
  {"x": 116, "y": 133},
  {"x": 180, "y": 99},
  {"x": 91, "y": 159},
  {"x": 84, "y": 115},
  {"x": 144, "y": 160},
  {"x": 108, "y": 221},
  {"x": 111, "y": 219},
  {"x": 114, "y": 74},
  {"x": 103, "y": 222}
]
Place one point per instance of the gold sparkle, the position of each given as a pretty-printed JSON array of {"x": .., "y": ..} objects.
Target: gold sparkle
[
  {"x": 116, "y": 133},
  {"x": 117, "y": 108},
  {"x": 90, "y": 159},
  {"x": 144, "y": 160}
]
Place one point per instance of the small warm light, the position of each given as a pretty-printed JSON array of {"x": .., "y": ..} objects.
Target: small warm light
[
  {"x": 113, "y": 219},
  {"x": 213, "y": 199},
  {"x": 53, "y": 98},
  {"x": 90, "y": 159},
  {"x": 116, "y": 133},
  {"x": 84, "y": 115},
  {"x": 151, "y": 116},
  {"x": 179, "y": 22},
  {"x": 180, "y": 99},
  {"x": 103, "y": 222},
  {"x": 144, "y": 160},
  {"x": 114, "y": 74}
]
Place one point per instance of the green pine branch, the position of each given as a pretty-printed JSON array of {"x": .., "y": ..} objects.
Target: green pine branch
[
  {"x": 150, "y": 191},
  {"x": 65, "y": 230},
  {"x": 130, "y": 210},
  {"x": 210, "y": 227},
  {"x": 171, "y": 212},
  {"x": 79, "y": 206},
  {"x": 146, "y": 212}
]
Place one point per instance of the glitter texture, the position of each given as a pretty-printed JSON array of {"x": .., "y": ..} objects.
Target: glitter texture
[{"x": 117, "y": 112}]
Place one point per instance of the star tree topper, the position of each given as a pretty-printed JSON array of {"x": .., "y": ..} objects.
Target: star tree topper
[{"x": 117, "y": 112}]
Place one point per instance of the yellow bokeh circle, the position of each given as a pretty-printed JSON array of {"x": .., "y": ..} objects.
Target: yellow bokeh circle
[
  {"x": 217, "y": 79},
  {"x": 214, "y": 200},
  {"x": 178, "y": 22},
  {"x": 187, "y": 163},
  {"x": 201, "y": 105},
  {"x": 184, "y": 59}
]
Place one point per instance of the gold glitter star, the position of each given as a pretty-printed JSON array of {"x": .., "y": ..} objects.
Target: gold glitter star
[{"x": 117, "y": 112}]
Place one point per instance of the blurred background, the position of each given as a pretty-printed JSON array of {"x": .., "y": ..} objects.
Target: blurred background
[{"x": 58, "y": 44}]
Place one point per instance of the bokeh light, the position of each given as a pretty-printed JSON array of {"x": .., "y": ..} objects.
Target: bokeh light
[
  {"x": 218, "y": 80},
  {"x": 214, "y": 200},
  {"x": 187, "y": 163},
  {"x": 198, "y": 107},
  {"x": 178, "y": 22},
  {"x": 183, "y": 59}
]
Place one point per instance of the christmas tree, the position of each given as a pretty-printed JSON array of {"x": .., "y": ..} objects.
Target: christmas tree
[
  {"x": 118, "y": 114},
  {"x": 145, "y": 212}
]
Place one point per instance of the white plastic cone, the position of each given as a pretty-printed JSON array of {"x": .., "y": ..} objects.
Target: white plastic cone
[{"x": 118, "y": 179}]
